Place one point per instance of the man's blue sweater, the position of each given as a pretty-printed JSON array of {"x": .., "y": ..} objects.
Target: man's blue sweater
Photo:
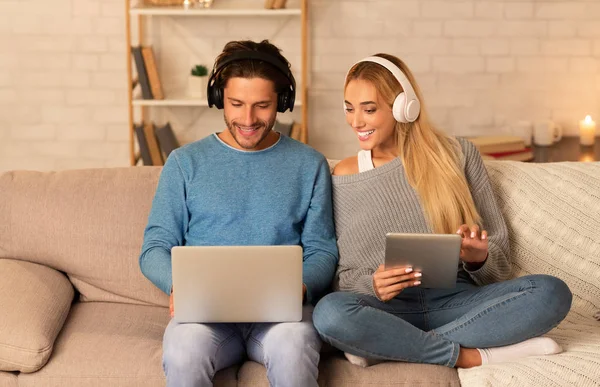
[{"x": 210, "y": 194}]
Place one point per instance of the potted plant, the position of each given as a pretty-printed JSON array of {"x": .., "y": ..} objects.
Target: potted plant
[{"x": 198, "y": 81}]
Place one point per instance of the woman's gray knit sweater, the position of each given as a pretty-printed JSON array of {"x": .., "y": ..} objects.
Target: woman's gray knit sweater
[{"x": 370, "y": 204}]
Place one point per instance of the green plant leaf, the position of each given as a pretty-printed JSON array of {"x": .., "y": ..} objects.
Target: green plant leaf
[{"x": 199, "y": 71}]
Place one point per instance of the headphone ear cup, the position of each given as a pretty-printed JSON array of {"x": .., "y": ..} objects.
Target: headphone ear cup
[
  {"x": 399, "y": 107},
  {"x": 209, "y": 95},
  {"x": 413, "y": 109},
  {"x": 285, "y": 101},
  {"x": 218, "y": 97},
  {"x": 282, "y": 103},
  {"x": 290, "y": 99}
]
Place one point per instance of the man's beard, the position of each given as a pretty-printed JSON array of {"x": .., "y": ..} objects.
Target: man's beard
[{"x": 259, "y": 125}]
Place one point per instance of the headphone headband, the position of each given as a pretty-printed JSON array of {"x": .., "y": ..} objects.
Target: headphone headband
[
  {"x": 396, "y": 72},
  {"x": 406, "y": 107},
  {"x": 286, "y": 97}
]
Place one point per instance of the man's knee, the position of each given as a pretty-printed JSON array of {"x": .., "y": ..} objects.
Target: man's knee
[
  {"x": 291, "y": 340},
  {"x": 187, "y": 346}
]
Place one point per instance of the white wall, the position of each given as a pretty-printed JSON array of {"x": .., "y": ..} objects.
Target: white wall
[
  {"x": 62, "y": 84},
  {"x": 482, "y": 64}
]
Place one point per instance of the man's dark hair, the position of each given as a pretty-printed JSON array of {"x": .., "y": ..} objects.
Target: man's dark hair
[{"x": 252, "y": 68}]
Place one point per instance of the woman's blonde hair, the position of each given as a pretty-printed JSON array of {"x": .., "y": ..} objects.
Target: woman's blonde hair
[{"x": 431, "y": 159}]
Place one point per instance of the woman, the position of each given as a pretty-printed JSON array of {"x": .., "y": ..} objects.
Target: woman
[{"x": 411, "y": 178}]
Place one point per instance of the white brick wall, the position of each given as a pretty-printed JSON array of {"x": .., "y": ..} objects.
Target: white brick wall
[
  {"x": 66, "y": 84},
  {"x": 486, "y": 63},
  {"x": 482, "y": 65}
]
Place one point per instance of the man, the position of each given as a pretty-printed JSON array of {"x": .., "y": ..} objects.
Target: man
[{"x": 246, "y": 185}]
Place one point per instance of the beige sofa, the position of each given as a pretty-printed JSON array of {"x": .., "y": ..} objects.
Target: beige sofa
[{"x": 76, "y": 235}]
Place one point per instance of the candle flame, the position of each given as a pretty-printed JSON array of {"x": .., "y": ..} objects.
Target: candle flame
[{"x": 588, "y": 119}]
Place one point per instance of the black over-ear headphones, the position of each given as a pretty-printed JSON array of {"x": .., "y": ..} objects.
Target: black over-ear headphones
[{"x": 285, "y": 98}]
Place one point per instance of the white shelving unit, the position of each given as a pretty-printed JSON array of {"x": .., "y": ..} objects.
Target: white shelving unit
[
  {"x": 140, "y": 11},
  {"x": 205, "y": 12}
]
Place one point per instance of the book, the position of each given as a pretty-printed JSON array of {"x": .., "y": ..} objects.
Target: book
[
  {"x": 153, "y": 148},
  {"x": 142, "y": 144},
  {"x": 167, "y": 142},
  {"x": 495, "y": 144},
  {"x": 142, "y": 75},
  {"x": 521, "y": 155},
  {"x": 278, "y": 4},
  {"x": 152, "y": 72}
]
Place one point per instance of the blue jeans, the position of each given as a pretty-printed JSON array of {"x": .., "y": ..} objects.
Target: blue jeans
[
  {"x": 193, "y": 353},
  {"x": 430, "y": 325}
]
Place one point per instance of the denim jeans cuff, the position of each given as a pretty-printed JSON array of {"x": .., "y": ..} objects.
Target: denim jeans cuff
[{"x": 454, "y": 356}]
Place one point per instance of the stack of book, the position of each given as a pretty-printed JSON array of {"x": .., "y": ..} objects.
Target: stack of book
[
  {"x": 155, "y": 143},
  {"x": 275, "y": 4},
  {"x": 502, "y": 148},
  {"x": 147, "y": 73}
]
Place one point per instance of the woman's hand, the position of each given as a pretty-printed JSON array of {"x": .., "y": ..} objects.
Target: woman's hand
[
  {"x": 474, "y": 245},
  {"x": 389, "y": 283}
]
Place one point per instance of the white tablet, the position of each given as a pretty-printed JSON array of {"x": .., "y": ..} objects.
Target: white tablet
[{"x": 435, "y": 255}]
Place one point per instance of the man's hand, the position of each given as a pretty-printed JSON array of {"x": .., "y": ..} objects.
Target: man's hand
[
  {"x": 303, "y": 293},
  {"x": 474, "y": 244},
  {"x": 171, "y": 308},
  {"x": 389, "y": 283}
]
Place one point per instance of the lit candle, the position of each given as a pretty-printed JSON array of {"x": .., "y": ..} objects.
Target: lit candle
[{"x": 587, "y": 131}]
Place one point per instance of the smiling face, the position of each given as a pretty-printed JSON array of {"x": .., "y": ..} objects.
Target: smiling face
[
  {"x": 370, "y": 116},
  {"x": 250, "y": 109}
]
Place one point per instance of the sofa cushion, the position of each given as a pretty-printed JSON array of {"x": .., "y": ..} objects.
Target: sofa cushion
[
  {"x": 336, "y": 371},
  {"x": 8, "y": 379},
  {"x": 86, "y": 223},
  {"x": 109, "y": 344},
  {"x": 35, "y": 301}
]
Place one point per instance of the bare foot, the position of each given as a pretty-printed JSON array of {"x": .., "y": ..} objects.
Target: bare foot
[{"x": 468, "y": 358}]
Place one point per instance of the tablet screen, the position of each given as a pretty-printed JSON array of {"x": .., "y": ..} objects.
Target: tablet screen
[{"x": 435, "y": 255}]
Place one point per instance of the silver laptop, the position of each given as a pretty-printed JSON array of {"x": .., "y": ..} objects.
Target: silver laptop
[{"x": 237, "y": 283}]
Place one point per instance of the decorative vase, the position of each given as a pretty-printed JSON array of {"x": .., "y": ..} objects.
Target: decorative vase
[
  {"x": 205, "y": 3},
  {"x": 197, "y": 86}
]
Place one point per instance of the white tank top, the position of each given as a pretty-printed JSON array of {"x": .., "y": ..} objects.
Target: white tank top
[{"x": 365, "y": 162}]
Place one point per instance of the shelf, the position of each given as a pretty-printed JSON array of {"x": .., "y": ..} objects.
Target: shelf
[
  {"x": 181, "y": 11},
  {"x": 178, "y": 101},
  {"x": 184, "y": 101}
]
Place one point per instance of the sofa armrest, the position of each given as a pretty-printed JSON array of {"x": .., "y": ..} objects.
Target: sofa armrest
[{"x": 34, "y": 303}]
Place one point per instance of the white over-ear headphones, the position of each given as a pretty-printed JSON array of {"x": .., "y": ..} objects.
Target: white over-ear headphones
[{"x": 406, "y": 107}]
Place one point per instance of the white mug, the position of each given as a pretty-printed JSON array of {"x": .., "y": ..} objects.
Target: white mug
[
  {"x": 546, "y": 133},
  {"x": 523, "y": 129}
]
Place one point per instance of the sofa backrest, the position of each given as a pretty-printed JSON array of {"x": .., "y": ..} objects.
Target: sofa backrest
[
  {"x": 553, "y": 217},
  {"x": 90, "y": 223},
  {"x": 86, "y": 223}
]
